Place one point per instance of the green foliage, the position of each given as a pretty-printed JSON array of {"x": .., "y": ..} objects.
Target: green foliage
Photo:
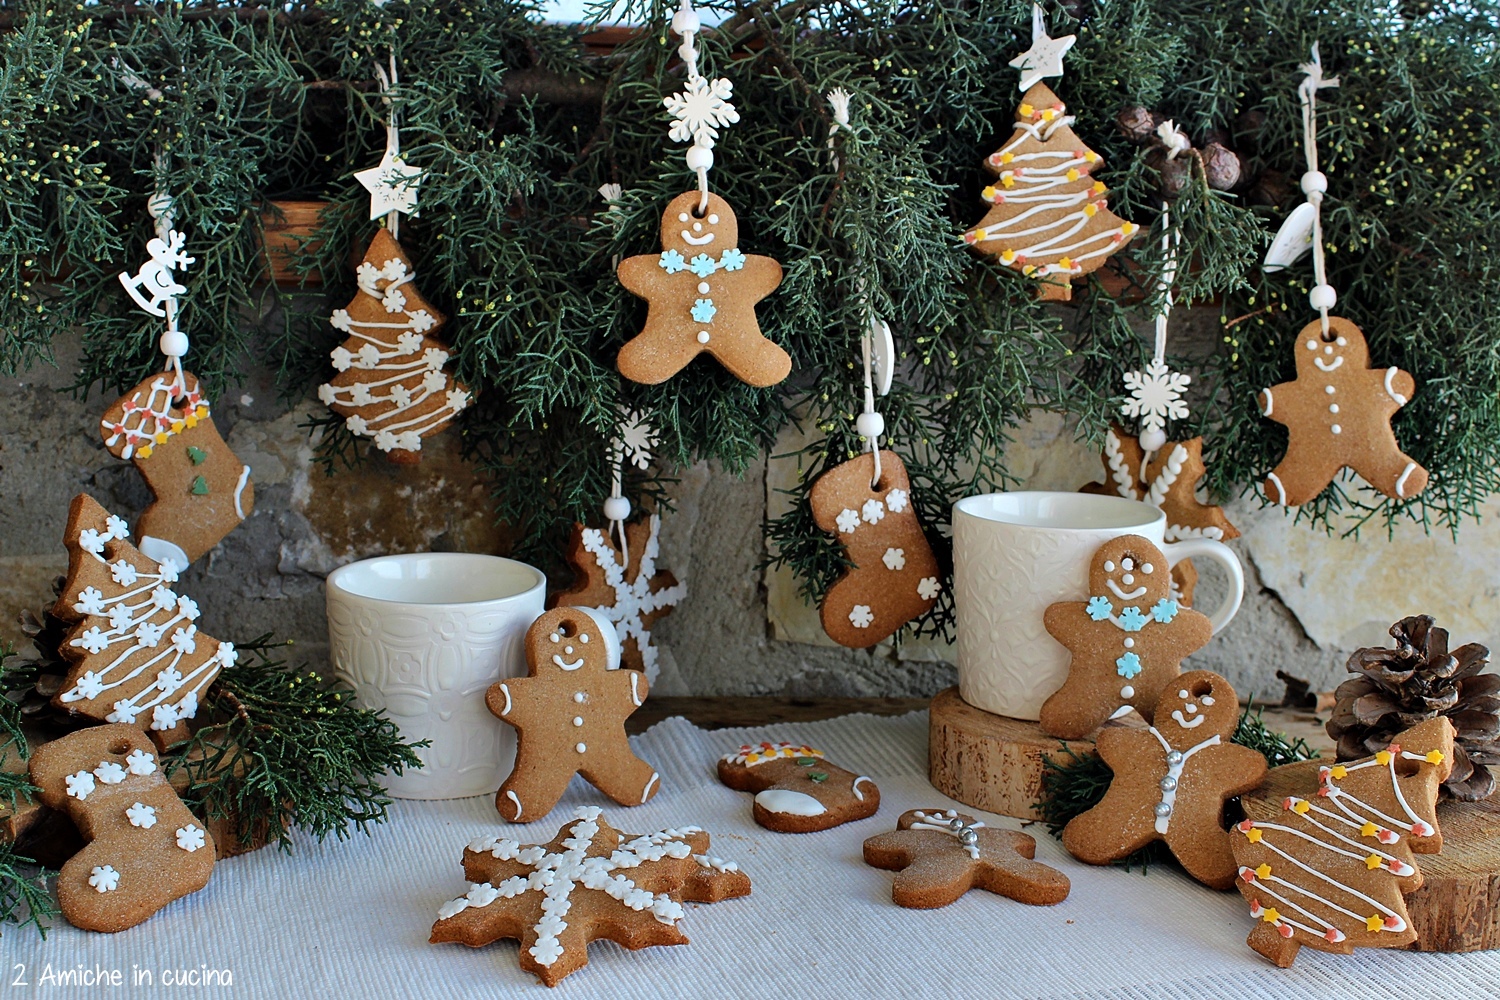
[
  {"x": 518, "y": 124},
  {"x": 1073, "y": 786},
  {"x": 14, "y": 785},
  {"x": 24, "y": 898},
  {"x": 284, "y": 751}
]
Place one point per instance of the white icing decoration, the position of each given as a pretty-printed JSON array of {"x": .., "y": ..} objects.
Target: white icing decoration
[
  {"x": 109, "y": 772},
  {"x": 239, "y": 492},
  {"x": 190, "y": 838},
  {"x": 1125, "y": 595},
  {"x": 140, "y": 762},
  {"x": 717, "y": 864},
  {"x": 855, "y": 788},
  {"x": 847, "y": 520},
  {"x": 752, "y": 754},
  {"x": 143, "y": 422},
  {"x": 1280, "y": 490},
  {"x": 505, "y": 690},
  {"x": 634, "y": 599},
  {"x": 141, "y": 815},
  {"x": 80, "y": 785},
  {"x": 928, "y": 588},
  {"x": 1390, "y": 385},
  {"x": 1401, "y": 480},
  {"x": 860, "y": 616},
  {"x": 512, "y": 797},
  {"x": 635, "y": 687},
  {"x": 104, "y": 878},
  {"x": 788, "y": 803},
  {"x": 940, "y": 820},
  {"x": 894, "y": 559},
  {"x": 1174, "y": 772},
  {"x": 646, "y": 792}
]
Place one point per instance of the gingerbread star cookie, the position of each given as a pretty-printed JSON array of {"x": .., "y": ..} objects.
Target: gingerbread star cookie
[
  {"x": 1329, "y": 866},
  {"x": 633, "y": 595},
  {"x": 939, "y": 855},
  {"x": 569, "y": 713},
  {"x": 796, "y": 790},
  {"x": 1127, "y": 641},
  {"x": 144, "y": 848},
  {"x": 701, "y": 290},
  {"x": 203, "y": 491},
  {"x": 1169, "y": 482},
  {"x": 591, "y": 882},
  {"x": 894, "y": 577},
  {"x": 1171, "y": 781},
  {"x": 1338, "y": 415}
]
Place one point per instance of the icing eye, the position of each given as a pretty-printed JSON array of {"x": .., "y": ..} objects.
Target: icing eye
[
  {"x": 682, "y": 217},
  {"x": 1109, "y": 567},
  {"x": 1207, "y": 699},
  {"x": 1341, "y": 341},
  {"x": 583, "y": 637},
  {"x": 1127, "y": 564},
  {"x": 556, "y": 637},
  {"x": 1147, "y": 568},
  {"x": 713, "y": 220},
  {"x": 1183, "y": 694},
  {"x": 1312, "y": 345}
]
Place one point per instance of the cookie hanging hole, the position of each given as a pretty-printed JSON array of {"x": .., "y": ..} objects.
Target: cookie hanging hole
[
  {"x": 1329, "y": 336},
  {"x": 880, "y": 485},
  {"x": 120, "y": 748},
  {"x": 699, "y": 211},
  {"x": 1201, "y": 687}
]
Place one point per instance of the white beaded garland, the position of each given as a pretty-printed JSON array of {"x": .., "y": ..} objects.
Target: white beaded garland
[
  {"x": 870, "y": 425},
  {"x": 699, "y": 158},
  {"x": 1322, "y": 297},
  {"x": 617, "y": 508},
  {"x": 173, "y": 343}
]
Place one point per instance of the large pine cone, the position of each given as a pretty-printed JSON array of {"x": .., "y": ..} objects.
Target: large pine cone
[{"x": 1416, "y": 681}]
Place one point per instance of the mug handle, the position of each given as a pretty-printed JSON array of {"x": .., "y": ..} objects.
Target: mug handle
[{"x": 1222, "y": 554}]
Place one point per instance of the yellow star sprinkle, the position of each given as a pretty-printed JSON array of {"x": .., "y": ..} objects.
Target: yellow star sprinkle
[
  {"x": 1383, "y": 757},
  {"x": 1373, "y": 923},
  {"x": 1090, "y": 210},
  {"x": 1025, "y": 111},
  {"x": 1301, "y": 806},
  {"x": 192, "y": 420},
  {"x": 1006, "y": 256},
  {"x": 1253, "y": 835},
  {"x": 177, "y": 426},
  {"x": 1434, "y": 757},
  {"x": 1066, "y": 263},
  {"x": 1372, "y": 862},
  {"x": 1098, "y": 187},
  {"x": 1007, "y": 157},
  {"x": 1091, "y": 156},
  {"x": 1338, "y": 771},
  {"x": 162, "y": 437},
  {"x": 988, "y": 194},
  {"x": 1007, "y": 179},
  {"x": 145, "y": 451},
  {"x": 1128, "y": 227},
  {"x": 1369, "y": 830},
  {"x": 1269, "y": 915},
  {"x": 1073, "y": 174},
  {"x": 1048, "y": 115},
  {"x": 1028, "y": 269},
  {"x": 202, "y": 411},
  {"x": 1262, "y": 870}
]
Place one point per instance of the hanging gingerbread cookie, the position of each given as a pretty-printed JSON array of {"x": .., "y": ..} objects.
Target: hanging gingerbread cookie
[
  {"x": 1338, "y": 410},
  {"x": 1049, "y": 217},
  {"x": 163, "y": 425},
  {"x": 701, "y": 290}
]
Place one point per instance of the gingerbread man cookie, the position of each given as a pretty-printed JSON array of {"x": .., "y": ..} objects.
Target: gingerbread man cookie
[
  {"x": 939, "y": 855},
  {"x": 796, "y": 790},
  {"x": 895, "y": 576},
  {"x": 590, "y": 882},
  {"x": 1329, "y": 868},
  {"x": 702, "y": 292},
  {"x": 144, "y": 848},
  {"x": 1338, "y": 415},
  {"x": 203, "y": 491},
  {"x": 1171, "y": 782},
  {"x": 569, "y": 713},
  {"x": 1168, "y": 481},
  {"x": 1128, "y": 640}
]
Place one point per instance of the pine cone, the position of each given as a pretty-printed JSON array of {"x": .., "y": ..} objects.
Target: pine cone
[{"x": 1416, "y": 681}]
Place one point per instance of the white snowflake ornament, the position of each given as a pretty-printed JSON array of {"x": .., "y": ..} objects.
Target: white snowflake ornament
[
  {"x": 1155, "y": 397},
  {"x": 700, "y": 110},
  {"x": 633, "y": 440}
]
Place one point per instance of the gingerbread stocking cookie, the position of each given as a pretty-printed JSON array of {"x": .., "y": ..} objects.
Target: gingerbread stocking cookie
[
  {"x": 940, "y": 854},
  {"x": 144, "y": 848},
  {"x": 1171, "y": 782},
  {"x": 1338, "y": 415},
  {"x": 569, "y": 713},
  {"x": 203, "y": 491},
  {"x": 1329, "y": 868},
  {"x": 895, "y": 576},
  {"x": 796, "y": 790},
  {"x": 1128, "y": 640},
  {"x": 1168, "y": 482},
  {"x": 701, "y": 290}
]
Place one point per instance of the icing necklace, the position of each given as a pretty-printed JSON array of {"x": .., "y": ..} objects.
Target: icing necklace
[{"x": 947, "y": 821}]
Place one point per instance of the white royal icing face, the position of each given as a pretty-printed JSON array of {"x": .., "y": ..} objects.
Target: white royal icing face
[
  {"x": 1127, "y": 573},
  {"x": 570, "y": 657},
  {"x": 1190, "y": 715},
  {"x": 699, "y": 232},
  {"x": 1330, "y": 358}
]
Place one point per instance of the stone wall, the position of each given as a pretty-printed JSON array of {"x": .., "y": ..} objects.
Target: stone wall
[{"x": 1310, "y": 597}]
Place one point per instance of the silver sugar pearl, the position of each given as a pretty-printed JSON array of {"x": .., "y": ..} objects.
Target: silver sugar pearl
[
  {"x": 968, "y": 837},
  {"x": 955, "y": 825},
  {"x": 1169, "y": 784},
  {"x": 1163, "y": 809},
  {"x": 1174, "y": 757}
]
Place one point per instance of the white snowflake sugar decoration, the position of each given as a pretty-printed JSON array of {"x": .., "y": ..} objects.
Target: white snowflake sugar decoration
[
  {"x": 141, "y": 815},
  {"x": 190, "y": 838},
  {"x": 894, "y": 559},
  {"x": 104, "y": 878},
  {"x": 928, "y": 588},
  {"x": 633, "y": 440},
  {"x": 860, "y": 616},
  {"x": 1156, "y": 395},
  {"x": 700, "y": 110},
  {"x": 847, "y": 520}
]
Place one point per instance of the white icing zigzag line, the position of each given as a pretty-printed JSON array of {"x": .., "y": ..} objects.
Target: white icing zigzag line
[
  {"x": 1119, "y": 470},
  {"x": 634, "y": 599},
  {"x": 159, "y": 415},
  {"x": 1168, "y": 475}
]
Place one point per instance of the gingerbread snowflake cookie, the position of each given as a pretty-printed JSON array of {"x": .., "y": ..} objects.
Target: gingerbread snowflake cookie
[
  {"x": 203, "y": 491},
  {"x": 701, "y": 291},
  {"x": 1127, "y": 640},
  {"x": 796, "y": 789},
  {"x": 894, "y": 577},
  {"x": 134, "y": 643},
  {"x": 1338, "y": 415},
  {"x": 1171, "y": 782},
  {"x": 590, "y": 882},
  {"x": 1167, "y": 479},
  {"x": 143, "y": 850},
  {"x": 632, "y": 594},
  {"x": 1328, "y": 866},
  {"x": 940, "y": 854},
  {"x": 569, "y": 713}
]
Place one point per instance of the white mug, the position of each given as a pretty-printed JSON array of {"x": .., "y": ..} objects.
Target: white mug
[
  {"x": 423, "y": 636},
  {"x": 1016, "y": 553}
]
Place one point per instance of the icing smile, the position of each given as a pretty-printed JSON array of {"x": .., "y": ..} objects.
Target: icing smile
[
  {"x": 557, "y": 659},
  {"x": 1319, "y": 362},
  {"x": 1192, "y": 723},
  {"x": 707, "y": 238},
  {"x": 1125, "y": 595}
]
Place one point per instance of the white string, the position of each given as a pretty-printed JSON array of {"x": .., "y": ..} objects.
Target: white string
[
  {"x": 1170, "y": 239},
  {"x": 702, "y": 108},
  {"x": 1308, "y": 92},
  {"x": 388, "y": 84},
  {"x": 617, "y": 525},
  {"x": 874, "y": 439}
]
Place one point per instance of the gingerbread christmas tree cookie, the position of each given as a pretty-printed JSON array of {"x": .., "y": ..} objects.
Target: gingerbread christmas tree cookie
[
  {"x": 569, "y": 713},
  {"x": 1171, "y": 782},
  {"x": 701, "y": 292},
  {"x": 1328, "y": 868},
  {"x": 894, "y": 577},
  {"x": 203, "y": 491},
  {"x": 1338, "y": 415},
  {"x": 137, "y": 654},
  {"x": 938, "y": 855},
  {"x": 589, "y": 883},
  {"x": 1127, "y": 641}
]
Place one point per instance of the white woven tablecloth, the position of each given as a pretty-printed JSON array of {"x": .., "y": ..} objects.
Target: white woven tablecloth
[{"x": 351, "y": 919}]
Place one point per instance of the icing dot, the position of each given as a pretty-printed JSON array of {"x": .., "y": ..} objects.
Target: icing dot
[
  {"x": 583, "y": 637},
  {"x": 580, "y": 748},
  {"x": 1127, "y": 564},
  {"x": 1127, "y": 579},
  {"x": 1333, "y": 407},
  {"x": 1147, "y": 568},
  {"x": 1329, "y": 389},
  {"x": 1129, "y": 642},
  {"x": 702, "y": 288},
  {"x": 1183, "y": 694},
  {"x": 698, "y": 228},
  {"x": 1127, "y": 691},
  {"x": 1109, "y": 566},
  {"x": 1312, "y": 345},
  {"x": 1207, "y": 699},
  {"x": 580, "y": 697},
  {"x": 681, "y": 216},
  {"x": 1192, "y": 709},
  {"x": 577, "y": 720},
  {"x": 1328, "y": 349},
  {"x": 568, "y": 649},
  {"x": 555, "y": 637},
  {"x": 1336, "y": 429},
  {"x": 713, "y": 220},
  {"x": 1341, "y": 341},
  {"x": 702, "y": 336}
]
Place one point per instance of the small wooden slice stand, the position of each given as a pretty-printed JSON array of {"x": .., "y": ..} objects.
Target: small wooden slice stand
[
  {"x": 1458, "y": 906},
  {"x": 991, "y": 762}
]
